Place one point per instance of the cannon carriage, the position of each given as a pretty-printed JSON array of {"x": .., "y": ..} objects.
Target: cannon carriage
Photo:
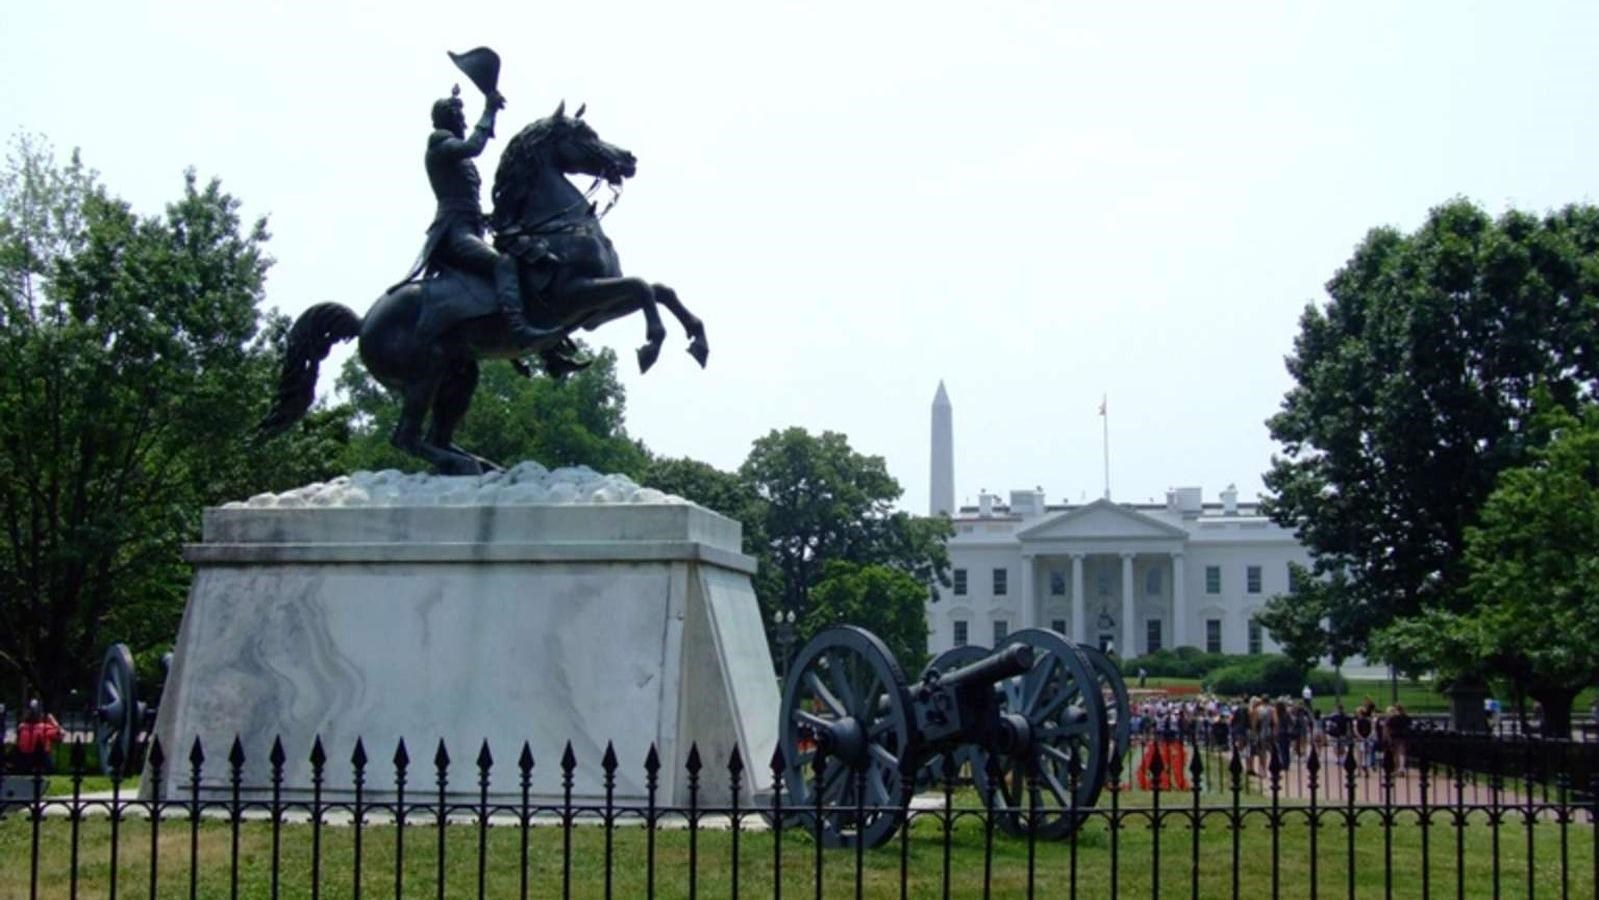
[{"x": 1034, "y": 724}]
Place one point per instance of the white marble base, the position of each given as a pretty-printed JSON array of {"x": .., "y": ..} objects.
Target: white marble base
[{"x": 633, "y": 624}]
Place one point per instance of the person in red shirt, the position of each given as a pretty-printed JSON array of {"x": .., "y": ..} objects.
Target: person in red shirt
[{"x": 37, "y": 734}]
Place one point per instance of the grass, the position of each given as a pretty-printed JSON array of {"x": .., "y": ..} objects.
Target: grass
[{"x": 1122, "y": 860}]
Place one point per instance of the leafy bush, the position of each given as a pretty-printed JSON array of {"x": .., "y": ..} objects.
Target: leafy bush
[
  {"x": 1182, "y": 662},
  {"x": 1272, "y": 675}
]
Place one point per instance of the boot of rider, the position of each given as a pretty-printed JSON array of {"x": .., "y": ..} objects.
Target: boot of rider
[{"x": 508, "y": 292}]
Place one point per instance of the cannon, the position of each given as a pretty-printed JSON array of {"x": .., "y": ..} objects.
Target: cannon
[
  {"x": 120, "y": 716},
  {"x": 1029, "y": 721}
]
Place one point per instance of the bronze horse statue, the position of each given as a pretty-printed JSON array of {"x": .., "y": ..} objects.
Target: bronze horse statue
[{"x": 422, "y": 339}]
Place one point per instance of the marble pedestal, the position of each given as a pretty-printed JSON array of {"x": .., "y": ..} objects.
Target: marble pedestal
[{"x": 631, "y": 624}]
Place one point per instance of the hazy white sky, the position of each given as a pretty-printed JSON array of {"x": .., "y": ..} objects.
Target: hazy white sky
[{"x": 1039, "y": 203}]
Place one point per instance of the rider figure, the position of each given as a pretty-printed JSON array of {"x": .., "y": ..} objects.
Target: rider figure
[{"x": 455, "y": 238}]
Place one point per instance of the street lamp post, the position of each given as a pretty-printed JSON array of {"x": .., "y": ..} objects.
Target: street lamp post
[{"x": 784, "y": 620}]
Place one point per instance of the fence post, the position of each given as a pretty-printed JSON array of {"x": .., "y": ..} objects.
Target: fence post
[
  {"x": 76, "y": 760},
  {"x": 485, "y": 764},
  {"x": 402, "y": 760},
  {"x": 524, "y": 765},
  {"x": 735, "y": 783},
  {"x": 196, "y": 759},
  {"x": 776, "y": 764},
  {"x": 1236, "y": 769},
  {"x": 1313, "y": 776},
  {"x": 235, "y": 783},
  {"x": 358, "y": 762},
  {"x": 157, "y": 762},
  {"x": 568, "y": 768},
  {"x": 441, "y": 776},
  {"x": 608, "y": 775},
  {"x": 318, "y": 759}
]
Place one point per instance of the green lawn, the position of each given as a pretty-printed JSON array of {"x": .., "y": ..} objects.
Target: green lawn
[{"x": 1377, "y": 850}]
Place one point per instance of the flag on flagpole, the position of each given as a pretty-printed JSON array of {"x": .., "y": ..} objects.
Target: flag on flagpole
[{"x": 1103, "y": 398}]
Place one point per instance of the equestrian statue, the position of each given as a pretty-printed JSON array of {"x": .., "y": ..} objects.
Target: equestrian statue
[{"x": 509, "y": 285}]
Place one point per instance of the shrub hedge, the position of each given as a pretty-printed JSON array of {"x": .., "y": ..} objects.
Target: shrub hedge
[{"x": 1272, "y": 675}]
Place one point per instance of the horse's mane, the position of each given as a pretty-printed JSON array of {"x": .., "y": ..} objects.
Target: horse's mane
[{"x": 513, "y": 176}]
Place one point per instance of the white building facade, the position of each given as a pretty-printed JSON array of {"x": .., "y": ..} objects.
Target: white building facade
[{"x": 1133, "y": 578}]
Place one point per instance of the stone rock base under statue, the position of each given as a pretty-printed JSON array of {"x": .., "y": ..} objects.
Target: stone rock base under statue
[{"x": 633, "y": 624}]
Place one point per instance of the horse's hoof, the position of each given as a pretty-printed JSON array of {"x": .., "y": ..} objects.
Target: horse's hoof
[
  {"x": 647, "y": 355},
  {"x": 699, "y": 351}
]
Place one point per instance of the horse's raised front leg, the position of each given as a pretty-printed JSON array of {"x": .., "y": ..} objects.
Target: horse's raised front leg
[
  {"x": 610, "y": 298},
  {"x": 692, "y": 326}
]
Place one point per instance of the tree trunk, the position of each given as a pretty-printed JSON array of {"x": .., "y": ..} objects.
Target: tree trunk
[{"x": 1556, "y": 703}]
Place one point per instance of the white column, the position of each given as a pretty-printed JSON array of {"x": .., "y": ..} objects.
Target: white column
[
  {"x": 1179, "y": 603},
  {"x": 1029, "y": 601},
  {"x": 1079, "y": 626},
  {"x": 1129, "y": 645}
]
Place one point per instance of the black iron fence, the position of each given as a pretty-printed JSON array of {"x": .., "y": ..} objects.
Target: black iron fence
[{"x": 1454, "y": 819}]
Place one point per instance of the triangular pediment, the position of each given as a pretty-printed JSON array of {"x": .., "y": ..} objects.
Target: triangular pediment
[{"x": 1101, "y": 520}]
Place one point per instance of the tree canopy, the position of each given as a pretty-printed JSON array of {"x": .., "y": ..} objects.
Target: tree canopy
[
  {"x": 1533, "y": 579},
  {"x": 1413, "y": 392},
  {"x": 821, "y": 501},
  {"x": 131, "y": 364}
]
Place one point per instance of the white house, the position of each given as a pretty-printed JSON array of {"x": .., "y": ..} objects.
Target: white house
[{"x": 1132, "y": 577}]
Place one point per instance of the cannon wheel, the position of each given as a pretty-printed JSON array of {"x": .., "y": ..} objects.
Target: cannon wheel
[
  {"x": 931, "y": 774},
  {"x": 1118, "y": 707},
  {"x": 118, "y": 712},
  {"x": 1061, "y": 701},
  {"x": 846, "y": 681}
]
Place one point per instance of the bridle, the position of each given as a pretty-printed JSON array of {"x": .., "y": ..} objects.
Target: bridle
[{"x": 560, "y": 216}]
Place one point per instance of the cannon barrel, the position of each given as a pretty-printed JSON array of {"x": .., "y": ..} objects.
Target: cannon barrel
[{"x": 996, "y": 667}]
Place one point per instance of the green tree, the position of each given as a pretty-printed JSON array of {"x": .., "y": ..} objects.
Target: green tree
[
  {"x": 886, "y": 601},
  {"x": 1533, "y": 578},
  {"x": 130, "y": 369},
  {"x": 1413, "y": 390},
  {"x": 822, "y": 502},
  {"x": 1312, "y": 620},
  {"x": 730, "y": 495},
  {"x": 578, "y": 421}
]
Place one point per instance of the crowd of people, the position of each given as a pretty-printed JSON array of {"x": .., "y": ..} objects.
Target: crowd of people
[{"x": 1254, "y": 727}]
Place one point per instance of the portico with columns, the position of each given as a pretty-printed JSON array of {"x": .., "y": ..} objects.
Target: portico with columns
[{"x": 1112, "y": 571}]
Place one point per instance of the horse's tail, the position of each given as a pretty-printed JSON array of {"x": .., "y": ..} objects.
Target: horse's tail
[{"x": 310, "y": 339}]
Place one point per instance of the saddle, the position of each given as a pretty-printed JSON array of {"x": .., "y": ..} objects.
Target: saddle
[{"x": 452, "y": 297}]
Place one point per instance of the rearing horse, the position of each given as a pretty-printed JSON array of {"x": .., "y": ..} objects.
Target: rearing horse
[{"x": 422, "y": 339}]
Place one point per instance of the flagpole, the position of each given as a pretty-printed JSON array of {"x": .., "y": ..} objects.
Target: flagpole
[{"x": 1104, "y": 417}]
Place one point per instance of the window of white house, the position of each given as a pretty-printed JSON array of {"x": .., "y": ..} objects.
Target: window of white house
[
  {"x": 1058, "y": 625},
  {"x": 1000, "y": 582},
  {"x": 960, "y": 632},
  {"x": 1213, "y": 579},
  {"x": 1152, "y": 636},
  {"x": 1057, "y": 583},
  {"x": 960, "y": 582},
  {"x": 1102, "y": 582},
  {"x": 1252, "y": 579},
  {"x": 1254, "y": 637},
  {"x": 1212, "y": 635},
  {"x": 1152, "y": 582},
  {"x": 1001, "y": 628}
]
